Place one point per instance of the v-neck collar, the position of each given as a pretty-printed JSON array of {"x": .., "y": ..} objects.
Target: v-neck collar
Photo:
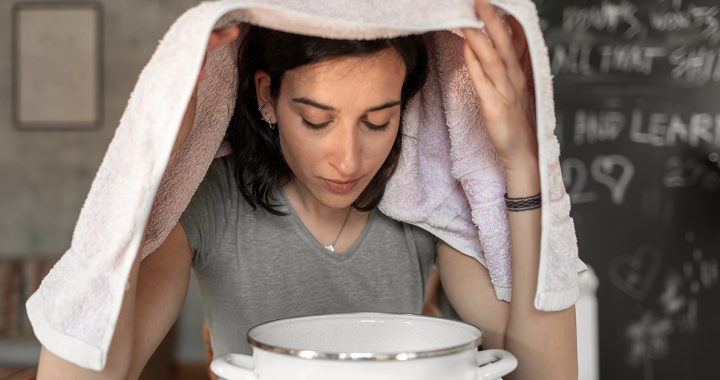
[{"x": 304, "y": 232}]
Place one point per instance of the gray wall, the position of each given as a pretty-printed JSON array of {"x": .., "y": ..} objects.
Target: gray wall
[{"x": 45, "y": 175}]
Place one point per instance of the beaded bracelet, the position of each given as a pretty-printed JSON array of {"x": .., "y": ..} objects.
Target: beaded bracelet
[{"x": 523, "y": 204}]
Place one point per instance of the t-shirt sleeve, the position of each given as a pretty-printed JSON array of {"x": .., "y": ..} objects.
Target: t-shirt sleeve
[{"x": 205, "y": 218}]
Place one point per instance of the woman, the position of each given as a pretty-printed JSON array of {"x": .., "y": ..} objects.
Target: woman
[{"x": 288, "y": 224}]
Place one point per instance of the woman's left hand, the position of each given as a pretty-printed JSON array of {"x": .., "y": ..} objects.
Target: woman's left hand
[{"x": 500, "y": 83}]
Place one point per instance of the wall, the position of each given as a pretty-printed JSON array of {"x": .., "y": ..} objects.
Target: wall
[
  {"x": 45, "y": 175},
  {"x": 636, "y": 88}
]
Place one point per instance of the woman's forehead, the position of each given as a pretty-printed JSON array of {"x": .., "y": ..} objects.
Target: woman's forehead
[
  {"x": 385, "y": 64},
  {"x": 375, "y": 78}
]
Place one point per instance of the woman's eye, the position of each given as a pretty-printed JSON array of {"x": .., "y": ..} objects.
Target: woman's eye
[
  {"x": 314, "y": 126},
  {"x": 371, "y": 126},
  {"x": 377, "y": 127}
]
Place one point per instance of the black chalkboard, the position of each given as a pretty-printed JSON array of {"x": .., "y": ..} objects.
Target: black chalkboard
[{"x": 637, "y": 89}]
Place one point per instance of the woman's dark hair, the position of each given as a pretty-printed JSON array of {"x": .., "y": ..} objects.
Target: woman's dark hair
[{"x": 260, "y": 165}]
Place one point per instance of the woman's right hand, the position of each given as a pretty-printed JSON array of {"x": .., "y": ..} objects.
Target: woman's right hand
[{"x": 218, "y": 37}]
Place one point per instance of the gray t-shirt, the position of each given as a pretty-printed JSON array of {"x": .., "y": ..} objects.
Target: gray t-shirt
[{"x": 254, "y": 267}]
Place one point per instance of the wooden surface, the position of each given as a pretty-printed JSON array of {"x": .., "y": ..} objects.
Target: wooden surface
[
  {"x": 8, "y": 373},
  {"x": 177, "y": 371}
]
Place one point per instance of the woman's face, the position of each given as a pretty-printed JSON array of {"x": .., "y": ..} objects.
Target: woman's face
[{"x": 337, "y": 121}]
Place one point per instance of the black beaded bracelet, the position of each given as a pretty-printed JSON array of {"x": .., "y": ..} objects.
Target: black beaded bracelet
[{"x": 523, "y": 204}]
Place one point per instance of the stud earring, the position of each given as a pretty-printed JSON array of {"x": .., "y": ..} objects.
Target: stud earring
[{"x": 265, "y": 116}]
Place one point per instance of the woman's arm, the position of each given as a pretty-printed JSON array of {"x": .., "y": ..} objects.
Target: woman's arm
[
  {"x": 466, "y": 284},
  {"x": 544, "y": 342},
  {"x": 150, "y": 306},
  {"x": 163, "y": 283},
  {"x": 146, "y": 315},
  {"x": 53, "y": 367}
]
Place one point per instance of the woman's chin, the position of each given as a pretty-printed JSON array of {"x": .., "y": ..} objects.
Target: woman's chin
[
  {"x": 340, "y": 195},
  {"x": 339, "y": 200}
]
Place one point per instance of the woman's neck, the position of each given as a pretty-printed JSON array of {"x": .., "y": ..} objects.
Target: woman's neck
[{"x": 340, "y": 227}]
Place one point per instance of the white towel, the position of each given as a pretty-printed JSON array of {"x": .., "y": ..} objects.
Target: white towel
[{"x": 450, "y": 183}]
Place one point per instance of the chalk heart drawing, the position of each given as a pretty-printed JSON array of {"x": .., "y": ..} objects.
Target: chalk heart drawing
[
  {"x": 604, "y": 171},
  {"x": 634, "y": 274}
]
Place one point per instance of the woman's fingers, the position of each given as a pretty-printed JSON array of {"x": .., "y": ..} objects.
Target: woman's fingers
[
  {"x": 477, "y": 74},
  {"x": 518, "y": 39},
  {"x": 223, "y": 36},
  {"x": 491, "y": 63},
  {"x": 498, "y": 34},
  {"x": 497, "y": 76},
  {"x": 504, "y": 39},
  {"x": 217, "y": 38}
]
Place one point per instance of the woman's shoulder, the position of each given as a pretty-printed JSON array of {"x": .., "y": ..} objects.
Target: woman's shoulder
[
  {"x": 420, "y": 236},
  {"x": 220, "y": 174},
  {"x": 222, "y": 166},
  {"x": 217, "y": 185},
  {"x": 423, "y": 237}
]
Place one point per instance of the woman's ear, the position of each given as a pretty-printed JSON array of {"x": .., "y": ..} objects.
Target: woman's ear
[{"x": 262, "y": 92}]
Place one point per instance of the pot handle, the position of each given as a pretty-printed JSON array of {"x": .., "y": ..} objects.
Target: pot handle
[
  {"x": 234, "y": 367},
  {"x": 494, "y": 363}
]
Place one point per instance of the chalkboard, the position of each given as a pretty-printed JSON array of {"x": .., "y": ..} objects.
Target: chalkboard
[{"x": 637, "y": 88}]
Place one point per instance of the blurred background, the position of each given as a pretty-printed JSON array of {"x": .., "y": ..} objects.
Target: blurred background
[{"x": 637, "y": 89}]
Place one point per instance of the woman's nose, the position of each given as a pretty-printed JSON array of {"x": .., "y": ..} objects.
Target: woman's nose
[{"x": 346, "y": 151}]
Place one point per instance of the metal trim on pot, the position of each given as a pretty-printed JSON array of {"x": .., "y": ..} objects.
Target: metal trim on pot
[{"x": 365, "y": 356}]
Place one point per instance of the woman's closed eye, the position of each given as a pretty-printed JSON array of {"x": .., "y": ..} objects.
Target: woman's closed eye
[
  {"x": 323, "y": 125},
  {"x": 375, "y": 127},
  {"x": 314, "y": 126}
]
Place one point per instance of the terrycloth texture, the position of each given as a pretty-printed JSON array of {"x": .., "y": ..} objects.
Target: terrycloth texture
[{"x": 448, "y": 181}]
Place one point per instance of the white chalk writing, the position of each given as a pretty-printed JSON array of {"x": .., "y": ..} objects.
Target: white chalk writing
[
  {"x": 625, "y": 18},
  {"x": 689, "y": 171},
  {"x": 649, "y": 340},
  {"x": 709, "y": 273},
  {"x": 678, "y": 302},
  {"x": 615, "y": 172},
  {"x": 667, "y": 129},
  {"x": 572, "y": 58},
  {"x": 592, "y": 127},
  {"x": 690, "y": 65},
  {"x": 575, "y": 176},
  {"x": 586, "y": 59},
  {"x": 690, "y": 18},
  {"x": 629, "y": 58},
  {"x": 634, "y": 274},
  {"x": 695, "y": 65},
  {"x": 608, "y": 16},
  {"x": 654, "y": 128},
  {"x": 677, "y": 311}
]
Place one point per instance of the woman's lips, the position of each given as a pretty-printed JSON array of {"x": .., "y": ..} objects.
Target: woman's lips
[{"x": 340, "y": 186}]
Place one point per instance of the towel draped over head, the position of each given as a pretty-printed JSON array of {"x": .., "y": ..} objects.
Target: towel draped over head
[{"x": 448, "y": 180}]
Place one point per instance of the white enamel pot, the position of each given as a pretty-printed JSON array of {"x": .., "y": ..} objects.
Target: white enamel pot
[{"x": 365, "y": 346}]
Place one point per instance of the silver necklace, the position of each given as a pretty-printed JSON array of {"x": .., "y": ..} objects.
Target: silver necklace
[{"x": 331, "y": 247}]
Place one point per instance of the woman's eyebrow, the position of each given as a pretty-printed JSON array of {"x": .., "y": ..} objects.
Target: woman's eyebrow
[{"x": 325, "y": 107}]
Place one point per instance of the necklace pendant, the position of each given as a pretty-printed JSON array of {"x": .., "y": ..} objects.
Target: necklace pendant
[{"x": 330, "y": 248}]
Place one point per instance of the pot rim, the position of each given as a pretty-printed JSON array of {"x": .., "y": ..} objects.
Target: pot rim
[{"x": 366, "y": 356}]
